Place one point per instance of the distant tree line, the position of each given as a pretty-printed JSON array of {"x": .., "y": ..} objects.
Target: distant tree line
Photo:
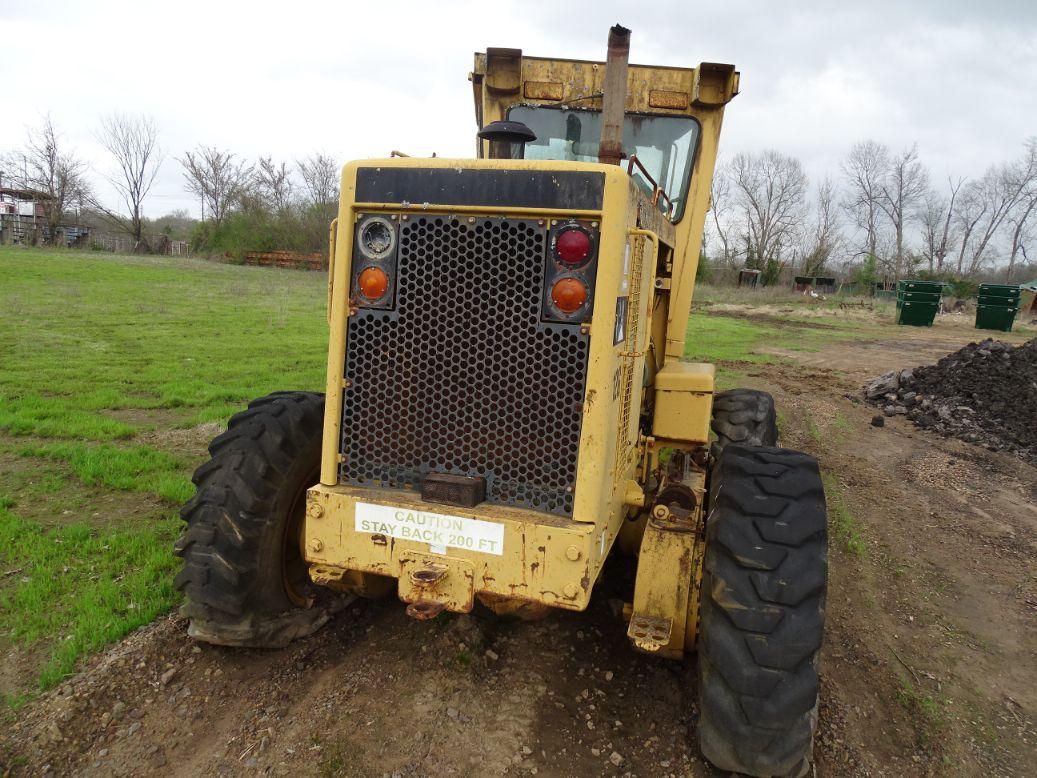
[
  {"x": 261, "y": 206},
  {"x": 245, "y": 206},
  {"x": 882, "y": 217}
]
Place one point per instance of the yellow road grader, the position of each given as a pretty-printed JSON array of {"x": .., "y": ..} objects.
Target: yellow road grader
[{"x": 507, "y": 405}]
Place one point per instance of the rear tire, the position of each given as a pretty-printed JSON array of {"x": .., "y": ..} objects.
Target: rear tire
[
  {"x": 762, "y": 611},
  {"x": 745, "y": 416},
  {"x": 244, "y": 580}
]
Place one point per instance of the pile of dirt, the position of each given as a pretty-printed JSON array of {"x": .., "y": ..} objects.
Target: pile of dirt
[{"x": 984, "y": 393}]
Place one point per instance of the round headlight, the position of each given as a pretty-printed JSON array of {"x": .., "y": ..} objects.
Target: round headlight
[{"x": 376, "y": 238}]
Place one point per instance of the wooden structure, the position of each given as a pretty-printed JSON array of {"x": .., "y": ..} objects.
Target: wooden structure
[{"x": 293, "y": 260}]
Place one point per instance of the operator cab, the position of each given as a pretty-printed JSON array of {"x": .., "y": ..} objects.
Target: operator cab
[{"x": 664, "y": 145}]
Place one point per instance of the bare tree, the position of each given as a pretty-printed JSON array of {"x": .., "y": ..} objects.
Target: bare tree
[
  {"x": 132, "y": 140},
  {"x": 936, "y": 216},
  {"x": 865, "y": 169},
  {"x": 274, "y": 183},
  {"x": 216, "y": 178},
  {"x": 1021, "y": 217},
  {"x": 55, "y": 171},
  {"x": 996, "y": 195},
  {"x": 969, "y": 211},
  {"x": 320, "y": 175},
  {"x": 720, "y": 211},
  {"x": 825, "y": 237},
  {"x": 770, "y": 188},
  {"x": 905, "y": 182}
]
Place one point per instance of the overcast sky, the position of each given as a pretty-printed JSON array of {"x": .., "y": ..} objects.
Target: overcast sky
[{"x": 357, "y": 79}]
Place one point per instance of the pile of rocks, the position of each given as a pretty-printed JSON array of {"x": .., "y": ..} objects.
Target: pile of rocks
[{"x": 984, "y": 393}]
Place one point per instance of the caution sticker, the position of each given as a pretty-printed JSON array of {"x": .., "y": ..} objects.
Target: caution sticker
[{"x": 440, "y": 531}]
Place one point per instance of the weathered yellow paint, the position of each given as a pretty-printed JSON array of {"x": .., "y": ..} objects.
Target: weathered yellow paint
[
  {"x": 669, "y": 569},
  {"x": 549, "y": 560},
  {"x": 538, "y": 563},
  {"x": 607, "y": 458},
  {"x": 501, "y": 78},
  {"x": 332, "y": 238},
  {"x": 683, "y": 401}
]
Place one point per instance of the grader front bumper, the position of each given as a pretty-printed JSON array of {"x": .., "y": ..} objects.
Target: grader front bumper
[{"x": 443, "y": 556}]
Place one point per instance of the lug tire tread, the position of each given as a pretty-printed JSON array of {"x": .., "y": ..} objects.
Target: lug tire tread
[
  {"x": 745, "y": 416},
  {"x": 232, "y": 520},
  {"x": 762, "y": 611}
]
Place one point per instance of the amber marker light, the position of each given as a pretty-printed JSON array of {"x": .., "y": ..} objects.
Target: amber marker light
[
  {"x": 569, "y": 294},
  {"x": 373, "y": 283}
]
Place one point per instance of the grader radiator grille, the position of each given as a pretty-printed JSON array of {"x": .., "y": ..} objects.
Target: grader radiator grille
[{"x": 461, "y": 375}]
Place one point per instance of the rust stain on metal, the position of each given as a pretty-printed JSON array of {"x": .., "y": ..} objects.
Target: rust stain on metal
[
  {"x": 591, "y": 395},
  {"x": 684, "y": 564},
  {"x": 427, "y": 577},
  {"x": 423, "y": 611},
  {"x": 664, "y": 98},
  {"x": 543, "y": 90},
  {"x": 614, "y": 96}
]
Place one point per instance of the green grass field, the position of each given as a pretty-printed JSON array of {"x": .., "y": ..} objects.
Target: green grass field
[
  {"x": 107, "y": 366},
  {"x": 113, "y": 371}
]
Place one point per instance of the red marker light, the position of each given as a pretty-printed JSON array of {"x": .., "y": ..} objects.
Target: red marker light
[
  {"x": 373, "y": 283},
  {"x": 572, "y": 246},
  {"x": 569, "y": 294}
]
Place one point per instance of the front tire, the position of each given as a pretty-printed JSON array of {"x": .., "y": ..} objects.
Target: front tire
[
  {"x": 244, "y": 580},
  {"x": 762, "y": 611},
  {"x": 744, "y": 416}
]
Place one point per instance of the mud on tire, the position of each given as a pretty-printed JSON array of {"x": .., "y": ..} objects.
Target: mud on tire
[
  {"x": 762, "y": 611},
  {"x": 743, "y": 416},
  {"x": 243, "y": 579}
]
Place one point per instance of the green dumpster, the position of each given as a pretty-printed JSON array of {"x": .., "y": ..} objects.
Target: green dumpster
[
  {"x": 918, "y": 297},
  {"x": 1005, "y": 291},
  {"x": 917, "y": 314},
  {"x": 918, "y": 302},
  {"x": 921, "y": 286},
  {"x": 997, "y": 307}
]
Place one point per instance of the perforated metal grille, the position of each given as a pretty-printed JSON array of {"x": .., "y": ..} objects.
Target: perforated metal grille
[
  {"x": 462, "y": 376},
  {"x": 631, "y": 352}
]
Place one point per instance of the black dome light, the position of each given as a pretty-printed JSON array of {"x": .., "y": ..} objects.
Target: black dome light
[{"x": 507, "y": 139}]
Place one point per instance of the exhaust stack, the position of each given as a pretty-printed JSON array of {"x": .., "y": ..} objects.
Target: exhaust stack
[{"x": 614, "y": 96}]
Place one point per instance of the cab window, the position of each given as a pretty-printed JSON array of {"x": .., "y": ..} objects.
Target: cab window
[{"x": 665, "y": 145}]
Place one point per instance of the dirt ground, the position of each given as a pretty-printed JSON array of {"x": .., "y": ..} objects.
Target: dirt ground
[{"x": 929, "y": 666}]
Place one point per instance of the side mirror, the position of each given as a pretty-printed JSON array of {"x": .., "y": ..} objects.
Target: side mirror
[{"x": 507, "y": 139}]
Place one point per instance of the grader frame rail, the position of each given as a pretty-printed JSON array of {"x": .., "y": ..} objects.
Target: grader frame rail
[{"x": 506, "y": 404}]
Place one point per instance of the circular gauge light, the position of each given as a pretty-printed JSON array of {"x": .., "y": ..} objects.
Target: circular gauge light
[
  {"x": 376, "y": 238},
  {"x": 569, "y": 295},
  {"x": 573, "y": 246},
  {"x": 373, "y": 283}
]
